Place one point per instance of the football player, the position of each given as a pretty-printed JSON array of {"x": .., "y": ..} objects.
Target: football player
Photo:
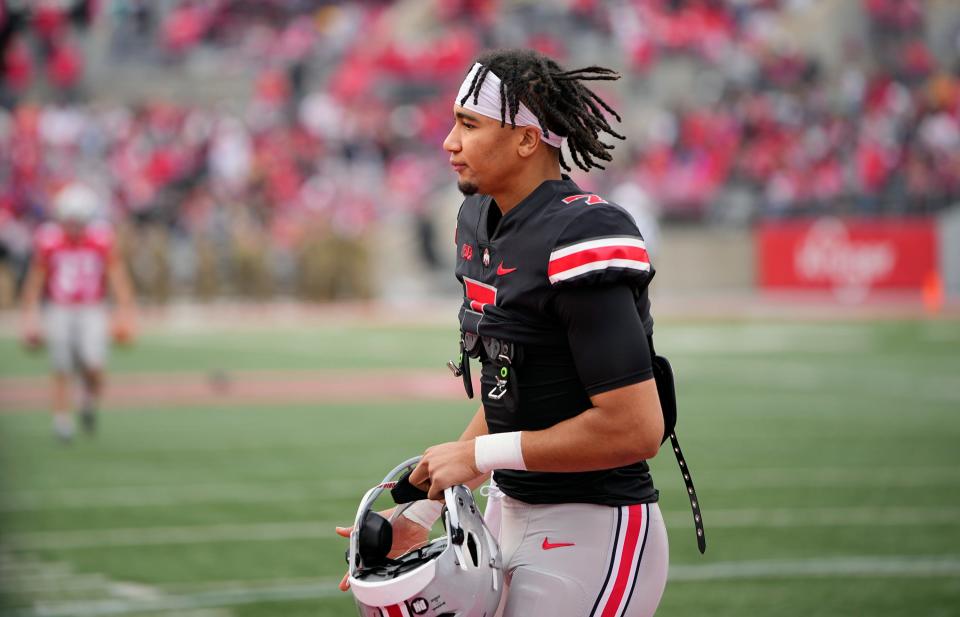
[
  {"x": 556, "y": 310},
  {"x": 74, "y": 262}
]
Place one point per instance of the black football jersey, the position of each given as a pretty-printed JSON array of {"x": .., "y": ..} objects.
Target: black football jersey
[{"x": 513, "y": 267}]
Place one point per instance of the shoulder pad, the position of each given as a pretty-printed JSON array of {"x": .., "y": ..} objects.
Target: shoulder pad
[{"x": 601, "y": 246}]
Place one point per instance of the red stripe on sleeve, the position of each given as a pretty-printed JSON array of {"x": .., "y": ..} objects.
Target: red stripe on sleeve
[{"x": 580, "y": 258}]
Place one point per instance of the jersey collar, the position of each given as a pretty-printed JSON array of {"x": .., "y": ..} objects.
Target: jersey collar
[{"x": 541, "y": 195}]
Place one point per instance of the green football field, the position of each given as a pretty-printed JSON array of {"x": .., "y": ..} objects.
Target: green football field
[{"x": 826, "y": 454}]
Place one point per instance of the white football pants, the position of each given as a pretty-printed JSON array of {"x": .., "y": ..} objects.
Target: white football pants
[{"x": 579, "y": 560}]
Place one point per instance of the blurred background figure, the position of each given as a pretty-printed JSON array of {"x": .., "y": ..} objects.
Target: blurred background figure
[{"x": 75, "y": 261}]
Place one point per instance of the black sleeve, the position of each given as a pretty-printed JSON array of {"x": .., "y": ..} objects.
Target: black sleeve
[{"x": 607, "y": 339}]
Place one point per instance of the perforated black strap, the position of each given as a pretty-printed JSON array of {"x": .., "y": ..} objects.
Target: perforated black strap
[{"x": 691, "y": 493}]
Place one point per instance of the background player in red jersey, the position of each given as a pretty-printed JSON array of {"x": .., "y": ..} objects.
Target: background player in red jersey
[{"x": 75, "y": 260}]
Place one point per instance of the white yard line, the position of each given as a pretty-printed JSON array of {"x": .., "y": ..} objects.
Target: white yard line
[
  {"x": 870, "y": 516},
  {"x": 145, "y": 536},
  {"x": 85, "y": 586},
  {"x": 35, "y": 585},
  {"x": 149, "y": 496},
  {"x": 323, "y": 530},
  {"x": 813, "y": 477},
  {"x": 920, "y": 566},
  {"x": 237, "y": 593},
  {"x": 174, "y": 494},
  {"x": 793, "y": 375},
  {"x": 264, "y": 492},
  {"x": 321, "y": 588}
]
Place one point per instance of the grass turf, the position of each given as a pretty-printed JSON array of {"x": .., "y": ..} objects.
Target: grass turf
[{"x": 825, "y": 454}]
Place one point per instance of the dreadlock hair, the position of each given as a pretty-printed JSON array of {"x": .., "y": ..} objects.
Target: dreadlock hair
[{"x": 556, "y": 97}]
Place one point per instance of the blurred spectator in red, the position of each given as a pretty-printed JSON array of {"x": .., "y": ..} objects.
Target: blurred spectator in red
[{"x": 185, "y": 26}]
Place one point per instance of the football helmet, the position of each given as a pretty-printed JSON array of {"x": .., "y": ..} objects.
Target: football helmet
[
  {"x": 76, "y": 203},
  {"x": 459, "y": 574}
]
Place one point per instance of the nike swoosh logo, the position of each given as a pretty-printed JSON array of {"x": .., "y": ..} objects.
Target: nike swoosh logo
[
  {"x": 547, "y": 545},
  {"x": 501, "y": 270}
]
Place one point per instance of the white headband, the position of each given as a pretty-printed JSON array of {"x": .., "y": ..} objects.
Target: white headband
[{"x": 488, "y": 104}]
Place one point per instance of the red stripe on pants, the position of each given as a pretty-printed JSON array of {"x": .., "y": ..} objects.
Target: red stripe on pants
[
  {"x": 631, "y": 539},
  {"x": 394, "y": 611}
]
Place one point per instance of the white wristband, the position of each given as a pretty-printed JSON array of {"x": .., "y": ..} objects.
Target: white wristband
[
  {"x": 424, "y": 513},
  {"x": 499, "y": 451}
]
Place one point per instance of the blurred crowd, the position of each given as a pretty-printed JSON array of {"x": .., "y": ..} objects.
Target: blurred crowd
[
  {"x": 340, "y": 135},
  {"x": 879, "y": 133}
]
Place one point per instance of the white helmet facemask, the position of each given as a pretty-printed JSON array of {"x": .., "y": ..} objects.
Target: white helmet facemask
[{"x": 459, "y": 574}]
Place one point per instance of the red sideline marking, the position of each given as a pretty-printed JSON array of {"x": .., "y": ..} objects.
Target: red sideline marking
[{"x": 168, "y": 390}]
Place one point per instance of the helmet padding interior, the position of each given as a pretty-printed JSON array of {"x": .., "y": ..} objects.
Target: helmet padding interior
[
  {"x": 408, "y": 562},
  {"x": 375, "y": 540}
]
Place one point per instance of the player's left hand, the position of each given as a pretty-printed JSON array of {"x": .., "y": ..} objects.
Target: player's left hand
[{"x": 445, "y": 465}]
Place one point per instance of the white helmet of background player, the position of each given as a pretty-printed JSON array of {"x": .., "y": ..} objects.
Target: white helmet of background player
[
  {"x": 76, "y": 203},
  {"x": 457, "y": 575}
]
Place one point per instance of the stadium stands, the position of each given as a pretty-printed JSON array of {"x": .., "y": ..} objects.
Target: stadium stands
[{"x": 349, "y": 101}]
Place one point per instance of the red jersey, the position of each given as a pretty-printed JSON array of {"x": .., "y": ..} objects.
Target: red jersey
[{"x": 75, "y": 266}]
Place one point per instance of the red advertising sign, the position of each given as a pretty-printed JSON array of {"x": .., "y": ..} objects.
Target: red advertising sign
[{"x": 851, "y": 256}]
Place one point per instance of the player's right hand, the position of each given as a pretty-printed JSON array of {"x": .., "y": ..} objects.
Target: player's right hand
[
  {"x": 122, "y": 329},
  {"x": 406, "y": 535}
]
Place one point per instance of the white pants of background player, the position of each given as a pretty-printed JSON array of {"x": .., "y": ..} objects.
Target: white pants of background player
[
  {"x": 579, "y": 560},
  {"x": 76, "y": 336}
]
